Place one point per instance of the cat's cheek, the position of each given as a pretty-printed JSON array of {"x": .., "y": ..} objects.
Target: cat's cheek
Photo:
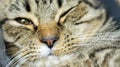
[
  {"x": 13, "y": 31},
  {"x": 8, "y": 37}
]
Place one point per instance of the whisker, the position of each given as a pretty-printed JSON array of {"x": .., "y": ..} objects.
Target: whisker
[
  {"x": 92, "y": 39},
  {"x": 17, "y": 53},
  {"x": 16, "y": 56},
  {"x": 25, "y": 58},
  {"x": 20, "y": 60}
]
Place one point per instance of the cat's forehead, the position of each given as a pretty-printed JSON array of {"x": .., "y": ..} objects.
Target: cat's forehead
[
  {"x": 39, "y": 5},
  {"x": 42, "y": 9},
  {"x": 45, "y": 10}
]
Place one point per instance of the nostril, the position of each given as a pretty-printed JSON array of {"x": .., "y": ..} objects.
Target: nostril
[{"x": 49, "y": 41}]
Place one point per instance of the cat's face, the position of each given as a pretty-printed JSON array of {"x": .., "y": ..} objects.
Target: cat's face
[{"x": 39, "y": 29}]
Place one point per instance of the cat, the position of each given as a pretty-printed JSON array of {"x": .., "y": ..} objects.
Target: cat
[{"x": 58, "y": 33}]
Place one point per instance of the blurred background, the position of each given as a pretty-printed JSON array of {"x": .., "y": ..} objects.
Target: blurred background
[{"x": 113, "y": 7}]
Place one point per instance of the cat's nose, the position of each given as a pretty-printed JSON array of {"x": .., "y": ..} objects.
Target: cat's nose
[{"x": 49, "y": 41}]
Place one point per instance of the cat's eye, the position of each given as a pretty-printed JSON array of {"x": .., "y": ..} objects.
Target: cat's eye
[
  {"x": 64, "y": 15},
  {"x": 24, "y": 21}
]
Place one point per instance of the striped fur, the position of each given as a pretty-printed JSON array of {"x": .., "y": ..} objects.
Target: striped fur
[{"x": 87, "y": 36}]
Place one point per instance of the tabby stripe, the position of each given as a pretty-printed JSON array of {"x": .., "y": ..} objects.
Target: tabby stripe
[
  {"x": 62, "y": 15},
  {"x": 80, "y": 18},
  {"x": 109, "y": 47},
  {"x": 37, "y": 2},
  {"x": 27, "y": 6},
  {"x": 66, "y": 12},
  {"x": 92, "y": 55},
  {"x": 106, "y": 59},
  {"x": 93, "y": 60},
  {"x": 17, "y": 38},
  {"x": 9, "y": 46},
  {"x": 59, "y": 3},
  {"x": 51, "y": 1},
  {"x": 14, "y": 7},
  {"x": 91, "y": 20},
  {"x": 44, "y": 1}
]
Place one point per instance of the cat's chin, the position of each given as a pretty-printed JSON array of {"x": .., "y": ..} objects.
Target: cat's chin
[
  {"x": 56, "y": 57},
  {"x": 48, "y": 54},
  {"x": 52, "y": 60}
]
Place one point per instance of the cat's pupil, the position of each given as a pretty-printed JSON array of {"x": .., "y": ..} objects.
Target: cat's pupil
[{"x": 23, "y": 21}]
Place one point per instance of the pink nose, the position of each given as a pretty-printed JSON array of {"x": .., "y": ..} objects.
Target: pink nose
[{"x": 49, "y": 41}]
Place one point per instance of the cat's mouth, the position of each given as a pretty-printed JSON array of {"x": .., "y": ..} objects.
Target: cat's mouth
[
  {"x": 52, "y": 57},
  {"x": 45, "y": 51}
]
